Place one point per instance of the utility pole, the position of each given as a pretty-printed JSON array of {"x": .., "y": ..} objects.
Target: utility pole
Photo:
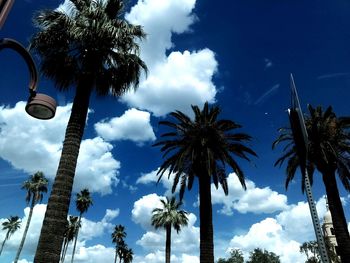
[{"x": 300, "y": 136}]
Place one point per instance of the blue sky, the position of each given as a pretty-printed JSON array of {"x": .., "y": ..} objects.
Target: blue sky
[{"x": 237, "y": 54}]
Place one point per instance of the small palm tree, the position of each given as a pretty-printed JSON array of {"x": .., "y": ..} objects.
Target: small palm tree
[
  {"x": 35, "y": 187},
  {"x": 328, "y": 152},
  {"x": 70, "y": 233},
  {"x": 202, "y": 148},
  {"x": 92, "y": 48},
  {"x": 167, "y": 217},
  {"x": 118, "y": 239},
  {"x": 83, "y": 202},
  {"x": 128, "y": 255},
  {"x": 12, "y": 224}
]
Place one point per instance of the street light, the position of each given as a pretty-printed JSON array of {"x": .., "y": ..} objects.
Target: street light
[{"x": 39, "y": 105}]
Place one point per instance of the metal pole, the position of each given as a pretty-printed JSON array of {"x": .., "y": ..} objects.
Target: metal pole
[
  {"x": 300, "y": 132},
  {"x": 5, "y": 7}
]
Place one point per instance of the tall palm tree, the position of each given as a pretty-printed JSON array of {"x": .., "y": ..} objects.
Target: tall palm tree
[
  {"x": 89, "y": 47},
  {"x": 69, "y": 234},
  {"x": 328, "y": 152},
  {"x": 12, "y": 224},
  {"x": 169, "y": 216},
  {"x": 35, "y": 187},
  {"x": 83, "y": 202},
  {"x": 118, "y": 236},
  {"x": 202, "y": 148}
]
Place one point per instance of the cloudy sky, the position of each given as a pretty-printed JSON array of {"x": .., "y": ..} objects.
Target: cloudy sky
[{"x": 236, "y": 54}]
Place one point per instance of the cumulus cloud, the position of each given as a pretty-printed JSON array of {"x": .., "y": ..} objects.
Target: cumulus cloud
[
  {"x": 249, "y": 200},
  {"x": 152, "y": 178},
  {"x": 280, "y": 234},
  {"x": 180, "y": 79},
  {"x": 153, "y": 240},
  {"x": 133, "y": 125},
  {"x": 40, "y": 144}
]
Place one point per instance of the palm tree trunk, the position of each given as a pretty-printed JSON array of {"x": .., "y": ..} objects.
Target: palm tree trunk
[
  {"x": 167, "y": 244},
  {"x": 52, "y": 232},
  {"x": 206, "y": 221},
  {"x": 338, "y": 217},
  {"x": 3, "y": 243},
  {"x": 115, "y": 256},
  {"x": 76, "y": 238},
  {"x": 26, "y": 229}
]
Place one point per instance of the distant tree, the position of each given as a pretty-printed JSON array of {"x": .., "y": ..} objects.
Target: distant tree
[
  {"x": 12, "y": 224},
  {"x": 118, "y": 239},
  {"x": 69, "y": 234},
  {"x": 83, "y": 202},
  {"x": 263, "y": 256},
  {"x": 310, "y": 249},
  {"x": 203, "y": 147},
  {"x": 128, "y": 255},
  {"x": 236, "y": 256},
  {"x": 35, "y": 187},
  {"x": 168, "y": 217},
  {"x": 328, "y": 152}
]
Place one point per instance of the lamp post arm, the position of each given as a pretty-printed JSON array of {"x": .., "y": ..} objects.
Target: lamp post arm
[{"x": 13, "y": 44}]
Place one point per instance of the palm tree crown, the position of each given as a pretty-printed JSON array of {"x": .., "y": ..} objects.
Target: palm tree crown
[
  {"x": 202, "y": 148},
  {"x": 83, "y": 201},
  {"x": 12, "y": 224},
  {"x": 328, "y": 152},
  {"x": 88, "y": 38},
  {"x": 169, "y": 215},
  {"x": 87, "y": 45}
]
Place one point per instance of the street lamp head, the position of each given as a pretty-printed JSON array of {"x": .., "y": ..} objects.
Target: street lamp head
[{"x": 39, "y": 106}]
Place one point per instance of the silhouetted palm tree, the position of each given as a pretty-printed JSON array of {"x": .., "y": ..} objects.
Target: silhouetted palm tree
[
  {"x": 128, "y": 255},
  {"x": 88, "y": 46},
  {"x": 118, "y": 239},
  {"x": 202, "y": 148},
  {"x": 35, "y": 187},
  {"x": 69, "y": 234},
  {"x": 83, "y": 202},
  {"x": 167, "y": 217},
  {"x": 328, "y": 151},
  {"x": 12, "y": 224}
]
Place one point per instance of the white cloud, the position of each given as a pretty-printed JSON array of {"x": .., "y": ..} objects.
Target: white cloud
[
  {"x": 40, "y": 144},
  {"x": 180, "y": 79},
  {"x": 283, "y": 234},
  {"x": 249, "y": 200},
  {"x": 133, "y": 125},
  {"x": 152, "y": 178},
  {"x": 184, "y": 79},
  {"x": 161, "y": 18}
]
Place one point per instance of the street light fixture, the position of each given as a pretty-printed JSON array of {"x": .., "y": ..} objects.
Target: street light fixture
[{"x": 39, "y": 105}]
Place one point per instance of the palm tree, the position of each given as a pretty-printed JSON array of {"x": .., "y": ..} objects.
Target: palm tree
[
  {"x": 12, "y": 224},
  {"x": 169, "y": 216},
  {"x": 328, "y": 152},
  {"x": 118, "y": 239},
  {"x": 128, "y": 255},
  {"x": 35, "y": 187},
  {"x": 201, "y": 148},
  {"x": 90, "y": 47},
  {"x": 83, "y": 202},
  {"x": 69, "y": 234}
]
